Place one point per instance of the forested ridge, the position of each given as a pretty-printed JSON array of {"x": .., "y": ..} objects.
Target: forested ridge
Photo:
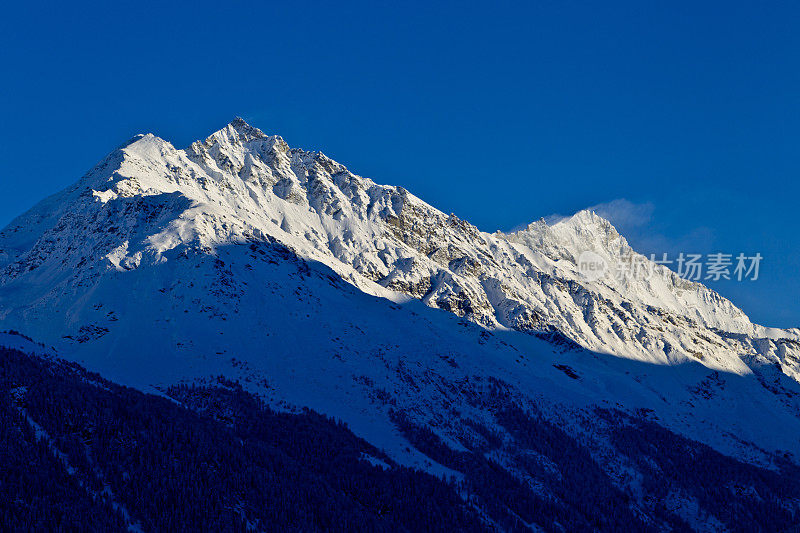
[
  {"x": 78, "y": 452},
  {"x": 174, "y": 469}
]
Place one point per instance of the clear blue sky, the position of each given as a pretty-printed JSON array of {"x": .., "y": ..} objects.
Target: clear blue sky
[{"x": 499, "y": 113}]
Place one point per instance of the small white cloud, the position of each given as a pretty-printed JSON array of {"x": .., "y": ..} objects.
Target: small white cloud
[
  {"x": 638, "y": 224},
  {"x": 624, "y": 214}
]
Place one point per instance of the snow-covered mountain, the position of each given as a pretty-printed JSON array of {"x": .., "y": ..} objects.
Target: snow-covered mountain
[
  {"x": 242, "y": 256},
  {"x": 149, "y": 202}
]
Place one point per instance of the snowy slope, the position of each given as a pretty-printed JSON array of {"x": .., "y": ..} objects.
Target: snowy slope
[{"x": 242, "y": 256}]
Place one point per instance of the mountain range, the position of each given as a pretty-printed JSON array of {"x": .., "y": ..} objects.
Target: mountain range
[{"x": 543, "y": 397}]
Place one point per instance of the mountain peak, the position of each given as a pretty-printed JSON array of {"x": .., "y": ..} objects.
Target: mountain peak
[
  {"x": 240, "y": 125},
  {"x": 583, "y": 217},
  {"x": 236, "y": 131}
]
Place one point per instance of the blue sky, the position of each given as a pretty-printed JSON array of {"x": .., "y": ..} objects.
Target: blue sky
[{"x": 500, "y": 113}]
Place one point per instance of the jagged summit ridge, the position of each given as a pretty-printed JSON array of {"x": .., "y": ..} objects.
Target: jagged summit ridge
[{"x": 148, "y": 203}]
